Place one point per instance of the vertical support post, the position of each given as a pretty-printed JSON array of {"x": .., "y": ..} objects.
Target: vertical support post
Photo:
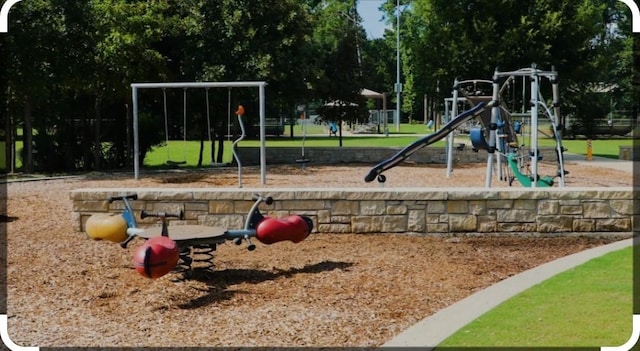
[
  {"x": 534, "y": 125},
  {"x": 559, "y": 126},
  {"x": 398, "y": 84},
  {"x": 263, "y": 155},
  {"x": 450, "y": 137},
  {"x": 136, "y": 146},
  {"x": 493, "y": 127},
  {"x": 385, "y": 114}
]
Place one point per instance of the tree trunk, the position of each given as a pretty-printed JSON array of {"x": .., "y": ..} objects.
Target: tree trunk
[
  {"x": 220, "y": 148},
  {"x": 636, "y": 74},
  {"x": 201, "y": 149},
  {"x": 128, "y": 153},
  {"x": 9, "y": 138},
  {"x": 27, "y": 137},
  {"x": 213, "y": 149},
  {"x": 97, "y": 149}
]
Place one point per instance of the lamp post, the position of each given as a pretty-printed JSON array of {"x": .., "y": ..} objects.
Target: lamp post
[{"x": 398, "y": 84}]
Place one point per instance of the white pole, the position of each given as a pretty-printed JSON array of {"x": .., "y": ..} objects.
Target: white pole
[
  {"x": 136, "y": 147},
  {"x": 263, "y": 155},
  {"x": 558, "y": 131},
  {"x": 495, "y": 111},
  {"x": 534, "y": 126},
  {"x": 398, "y": 84},
  {"x": 450, "y": 115},
  {"x": 229, "y": 115}
]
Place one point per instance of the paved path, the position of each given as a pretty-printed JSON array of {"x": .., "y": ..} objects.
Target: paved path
[
  {"x": 431, "y": 331},
  {"x": 622, "y": 165}
]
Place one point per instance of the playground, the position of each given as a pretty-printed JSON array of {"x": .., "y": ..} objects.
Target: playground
[{"x": 330, "y": 290}]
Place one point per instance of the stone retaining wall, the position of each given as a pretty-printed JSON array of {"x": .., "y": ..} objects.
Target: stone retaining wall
[
  {"x": 399, "y": 210},
  {"x": 371, "y": 155}
]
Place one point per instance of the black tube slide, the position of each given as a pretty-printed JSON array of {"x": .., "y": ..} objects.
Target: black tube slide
[{"x": 427, "y": 140}]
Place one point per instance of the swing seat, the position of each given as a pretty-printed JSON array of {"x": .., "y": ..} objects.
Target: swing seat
[{"x": 302, "y": 160}]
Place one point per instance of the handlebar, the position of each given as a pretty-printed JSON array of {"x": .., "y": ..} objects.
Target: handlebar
[
  {"x": 145, "y": 214},
  {"x": 259, "y": 198}
]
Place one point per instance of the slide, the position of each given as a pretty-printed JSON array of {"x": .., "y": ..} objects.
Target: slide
[
  {"x": 427, "y": 140},
  {"x": 526, "y": 180}
]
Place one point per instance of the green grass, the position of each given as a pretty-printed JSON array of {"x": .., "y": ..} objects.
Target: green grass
[
  {"x": 588, "y": 306},
  {"x": 600, "y": 147},
  {"x": 175, "y": 150},
  {"x": 318, "y": 137}
]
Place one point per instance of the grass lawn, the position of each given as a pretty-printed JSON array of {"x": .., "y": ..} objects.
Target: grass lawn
[
  {"x": 609, "y": 148},
  {"x": 158, "y": 156},
  {"x": 588, "y": 306},
  {"x": 177, "y": 149},
  {"x": 318, "y": 137}
]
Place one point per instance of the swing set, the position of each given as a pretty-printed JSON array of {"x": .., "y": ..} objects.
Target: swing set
[
  {"x": 175, "y": 162},
  {"x": 171, "y": 160}
]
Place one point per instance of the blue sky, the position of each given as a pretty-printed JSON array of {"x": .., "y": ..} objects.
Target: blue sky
[{"x": 371, "y": 17}]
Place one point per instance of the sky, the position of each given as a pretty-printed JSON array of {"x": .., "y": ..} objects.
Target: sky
[{"x": 371, "y": 17}]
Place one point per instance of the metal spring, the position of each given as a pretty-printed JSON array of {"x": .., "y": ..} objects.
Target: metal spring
[
  {"x": 202, "y": 256},
  {"x": 183, "y": 268}
]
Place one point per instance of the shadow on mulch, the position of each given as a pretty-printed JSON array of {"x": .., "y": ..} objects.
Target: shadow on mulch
[{"x": 218, "y": 282}]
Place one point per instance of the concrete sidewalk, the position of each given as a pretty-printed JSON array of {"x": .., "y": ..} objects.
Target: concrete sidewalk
[
  {"x": 431, "y": 331},
  {"x": 603, "y": 162}
]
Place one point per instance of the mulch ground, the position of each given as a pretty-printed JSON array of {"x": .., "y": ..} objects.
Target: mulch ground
[{"x": 329, "y": 290}]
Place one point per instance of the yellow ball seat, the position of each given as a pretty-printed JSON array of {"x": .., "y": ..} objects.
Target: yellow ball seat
[{"x": 106, "y": 226}]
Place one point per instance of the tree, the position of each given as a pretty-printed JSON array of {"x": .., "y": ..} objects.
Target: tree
[
  {"x": 339, "y": 77},
  {"x": 444, "y": 39}
]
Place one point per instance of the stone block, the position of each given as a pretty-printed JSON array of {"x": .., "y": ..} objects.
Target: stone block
[
  {"x": 196, "y": 206},
  {"x": 297, "y": 205},
  {"x": 334, "y": 228},
  {"x": 487, "y": 224},
  {"x": 340, "y": 219},
  {"x": 372, "y": 208},
  {"x": 571, "y": 210},
  {"x": 516, "y": 216},
  {"x": 324, "y": 216},
  {"x": 396, "y": 210},
  {"x": 458, "y": 207},
  {"x": 438, "y": 228},
  {"x": 517, "y": 227},
  {"x": 436, "y": 207},
  {"x": 463, "y": 223},
  {"x": 548, "y": 207},
  {"x": 584, "y": 225},
  {"x": 435, "y": 218},
  {"x": 91, "y": 206},
  {"x": 596, "y": 210},
  {"x": 554, "y": 224},
  {"x": 521, "y": 204},
  {"x": 378, "y": 224},
  {"x": 224, "y": 221},
  {"x": 613, "y": 225},
  {"x": 623, "y": 207},
  {"x": 416, "y": 221},
  {"x": 366, "y": 224},
  {"x": 349, "y": 208}
]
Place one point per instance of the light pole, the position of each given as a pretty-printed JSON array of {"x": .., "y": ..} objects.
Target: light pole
[{"x": 398, "y": 84}]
